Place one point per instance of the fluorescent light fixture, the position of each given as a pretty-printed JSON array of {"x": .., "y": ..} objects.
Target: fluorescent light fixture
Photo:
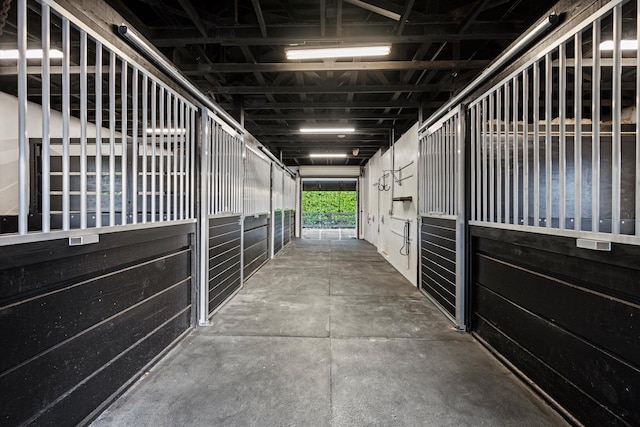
[
  {"x": 624, "y": 45},
  {"x": 338, "y": 52},
  {"x": 166, "y": 130},
  {"x": 31, "y": 54},
  {"x": 328, "y": 155},
  {"x": 327, "y": 130}
]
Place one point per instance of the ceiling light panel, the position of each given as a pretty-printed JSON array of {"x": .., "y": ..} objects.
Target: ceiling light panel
[
  {"x": 328, "y": 155},
  {"x": 338, "y": 52},
  {"x": 336, "y": 130}
]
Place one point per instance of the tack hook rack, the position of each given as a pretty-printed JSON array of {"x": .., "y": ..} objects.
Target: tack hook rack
[{"x": 399, "y": 178}]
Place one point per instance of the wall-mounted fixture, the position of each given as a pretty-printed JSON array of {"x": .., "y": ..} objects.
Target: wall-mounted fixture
[
  {"x": 326, "y": 52},
  {"x": 397, "y": 173}
]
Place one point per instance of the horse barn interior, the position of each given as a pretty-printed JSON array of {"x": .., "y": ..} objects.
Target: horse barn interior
[{"x": 153, "y": 159}]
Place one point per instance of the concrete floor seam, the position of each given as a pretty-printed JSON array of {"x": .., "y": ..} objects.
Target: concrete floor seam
[{"x": 293, "y": 357}]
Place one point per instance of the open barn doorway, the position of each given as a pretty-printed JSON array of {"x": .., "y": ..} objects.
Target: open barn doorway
[{"x": 329, "y": 209}]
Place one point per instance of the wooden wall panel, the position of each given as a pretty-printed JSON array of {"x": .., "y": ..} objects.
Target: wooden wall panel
[
  {"x": 277, "y": 233},
  {"x": 224, "y": 259},
  {"x": 438, "y": 261},
  {"x": 80, "y": 322},
  {"x": 566, "y": 317},
  {"x": 286, "y": 229},
  {"x": 256, "y": 243}
]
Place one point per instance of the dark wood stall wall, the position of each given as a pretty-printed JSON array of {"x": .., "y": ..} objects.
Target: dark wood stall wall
[
  {"x": 256, "y": 243},
  {"x": 438, "y": 261},
  {"x": 565, "y": 317},
  {"x": 277, "y": 232},
  {"x": 286, "y": 229},
  {"x": 79, "y": 322},
  {"x": 224, "y": 259}
]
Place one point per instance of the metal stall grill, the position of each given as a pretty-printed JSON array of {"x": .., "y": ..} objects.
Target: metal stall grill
[
  {"x": 221, "y": 233},
  {"x": 567, "y": 162},
  {"x": 442, "y": 215},
  {"x": 120, "y": 152},
  {"x": 277, "y": 205},
  {"x": 97, "y": 218},
  {"x": 555, "y": 205},
  {"x": 257, "y": 203}
]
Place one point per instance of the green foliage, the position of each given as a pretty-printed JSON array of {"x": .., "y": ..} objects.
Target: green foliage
[
  {"x": 329, "y": 209},
  {"x": 329, "y": 201}
]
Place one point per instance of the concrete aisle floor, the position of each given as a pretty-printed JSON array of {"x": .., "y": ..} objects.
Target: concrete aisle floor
[{"x": 329, "y": 334}]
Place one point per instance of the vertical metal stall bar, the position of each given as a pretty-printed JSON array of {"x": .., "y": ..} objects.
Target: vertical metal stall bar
[
  {"x": 548, "y": 142},
  {"x": 123, "y": 159},
  {"x": 161, "y": 147},
  {"x": 536, "y": 144},
  {"x": 192, "y": 168},
  {"x": 444, "y": 166},
  {"x": 176, "y": 153},
  {"x": 112, "y": 138},
  {"x": 98, "y": 108},
  {"x": 23, "y": 152},
  {"x": 229, "y": 173},
  {"x": 492, "y": 166},
  {"x": 498, "y": 148},
  {"x": 154, "y": 154},
  {"x": 478, "y": 161},
  {"x": 428, "y": 194},
  {"x": 145, "y": 143},
  {"x": 182, "y": 154},
  {"x": 135, "y": 149},
  {"x": 214, "y": 190},
  {"x": 516, "y": 153},
  {"x": 66, "y": 116},
  {"x": 449, "y": 172},
  {"x": 453, "y": 162},
  {"x": 168, "y": 173},
  {"x": 637, "y": 169},
  {"x": 83, "y": 129},
  {"x": 562, "y": 149},
  {"x": 439, "y": 171},
  {"x": 203, "y": 223},
  {"x": 225, "y": 166},
  {"x": 45, "y": 154},
  {"x": 525, "y": 147},
  {"x": 446, "y": 174},
  {"x": 577, "y": 144},
  {"x": 209, "y": 200},
  {"x": 595, "y": 130},
  {"x": 485, "y": 165},
  {"x": 507, "y": 160},
  {"x": 215, "y": 165},
  {"x": 431, "y": 172},
  {"x": 474, "y": 169},
  {"x": 460, "y": 191},
  {"x": 616, "y": 150}
]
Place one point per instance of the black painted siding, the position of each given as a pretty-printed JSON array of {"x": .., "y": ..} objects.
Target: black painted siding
[
  {"x": 438, "y": 261},
  {"x": 224, "y": 259},
  {"x": 78, "y": 323},
  {"x": 277, "y": 233},
  {"x": 256, "y": 243},
  {"x": 565, "y": 317},
  {"x": 286, "y": 229}
]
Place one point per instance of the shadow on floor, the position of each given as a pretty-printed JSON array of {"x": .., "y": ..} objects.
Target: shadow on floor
[{"x": 326, "y": 334}]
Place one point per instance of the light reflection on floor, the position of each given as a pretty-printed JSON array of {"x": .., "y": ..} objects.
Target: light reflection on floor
[{"x": 329, "y": 233}]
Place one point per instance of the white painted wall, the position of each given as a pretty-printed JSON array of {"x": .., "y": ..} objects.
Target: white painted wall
[
  {"x": 9, "y": 144},
  {"x": 383, "y": 223}
]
